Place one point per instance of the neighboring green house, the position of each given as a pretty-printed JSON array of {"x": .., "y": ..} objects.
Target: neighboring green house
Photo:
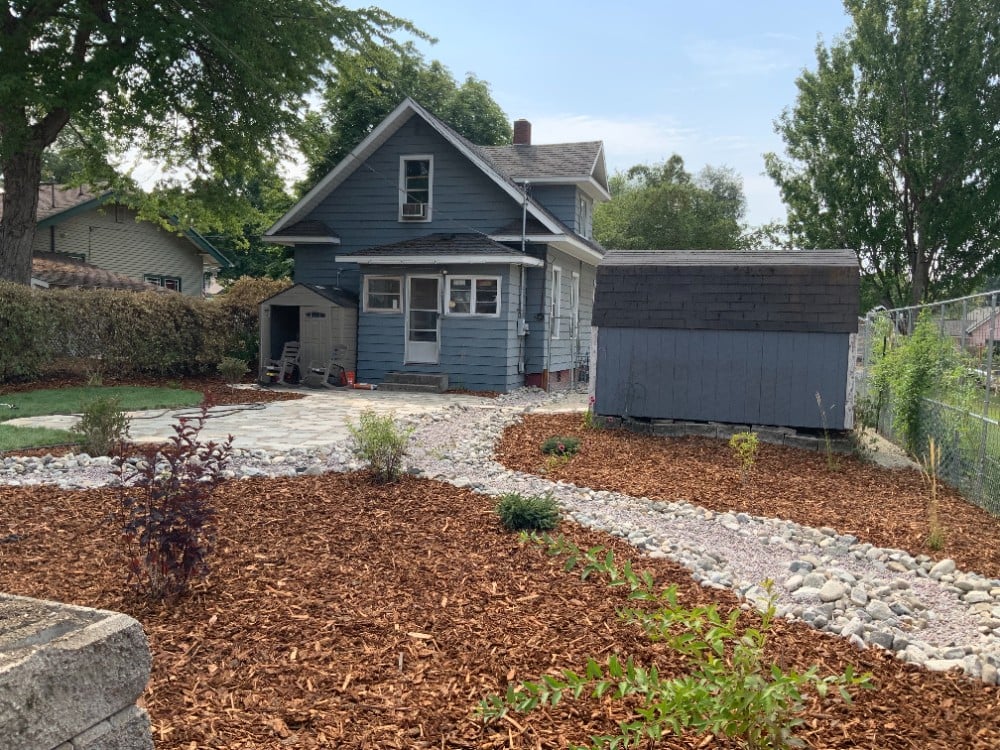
[
  {"x": 470, "y": 263},
  {"x": 81, "y": 225}
]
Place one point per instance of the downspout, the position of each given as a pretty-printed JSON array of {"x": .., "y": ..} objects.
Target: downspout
[{"x": 522, "y": 298}]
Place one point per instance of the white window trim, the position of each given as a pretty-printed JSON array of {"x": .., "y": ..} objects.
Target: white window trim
[
  {"x": 586, "y": 227},
  {"x": 429, "y": 158},
  {"x": 383, "y": 310},
  {"x": 574, "y": 299},
  {"x": 472, "y": 297},
  {"x": 160, "y": 279},
  {"x": 556, "y": 305}
]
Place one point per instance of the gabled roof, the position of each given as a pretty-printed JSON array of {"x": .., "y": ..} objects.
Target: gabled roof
[
  {"x": 58, "y": 270},
  {"x": 306, "y": 232},
  {"x": 334, "y": 294},
  {"x": 57, "y": 203},
  {"x": 580, "y": 164},
  {"x": 442, "y": 248},
  {"x": 385, "y": 130}
]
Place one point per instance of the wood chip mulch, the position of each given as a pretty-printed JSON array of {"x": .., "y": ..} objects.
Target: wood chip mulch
[
  {"x": 886, "y": 507},
  {"x": 344, "y": 614}
]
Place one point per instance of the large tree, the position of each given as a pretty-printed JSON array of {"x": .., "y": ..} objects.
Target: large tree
[
  {"x": 207, "y": 87},
  {"x": 369, "y": 83},
  {"x": 893, "y": 147},
  {"x": 663, "y": 207}
]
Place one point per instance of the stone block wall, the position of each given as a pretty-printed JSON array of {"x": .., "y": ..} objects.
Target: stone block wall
[{"x": 70, "y": 678}]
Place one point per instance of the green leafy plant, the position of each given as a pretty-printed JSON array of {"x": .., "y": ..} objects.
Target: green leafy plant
[
  {"x": 519, "y": 512},
  {"x": 745, "y": 446},
  {"x": 165, "y": 512},
  {"x": 732, "y": 690},
  {"x": 232, "y": 369},
  {"x": 103, "y": 426},
  {"x": 381, "y": 443},
  {"x": 930, "y": 468},
  {"x": 561, "y": 446},
  {"x": 590, "y": 420}
]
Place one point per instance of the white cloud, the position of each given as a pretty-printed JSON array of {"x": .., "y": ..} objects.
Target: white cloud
[{"x": 724, "y": 60}]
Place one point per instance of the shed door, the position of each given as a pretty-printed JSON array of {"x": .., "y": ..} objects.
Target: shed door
[
  {"x": 423, "y": 316},
  {"x": 316, "y": 335}
]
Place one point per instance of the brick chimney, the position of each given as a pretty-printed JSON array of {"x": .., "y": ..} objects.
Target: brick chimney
[{"x": 522, "y": 133}]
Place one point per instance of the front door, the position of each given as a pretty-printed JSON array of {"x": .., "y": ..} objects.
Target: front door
[{"x": 423, "y": 314}]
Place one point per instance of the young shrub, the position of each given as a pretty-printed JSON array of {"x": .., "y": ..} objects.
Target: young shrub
[
  {"x": 534, "y": 512},
  {"x": 744, "y": 446},
  {"x": 732, "y": 689},
  {"x": 930, "y": 467},
  {"x": 232, "y": 369},
  {"x": 381, "y": 443},
  {"x": 590, "y": 420},
  {"x": 165, "y": 513},
  {"x": 103, "y": 427},
  {"x": 561, "y": 446}
]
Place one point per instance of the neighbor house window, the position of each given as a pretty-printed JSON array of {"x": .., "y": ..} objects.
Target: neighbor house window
[
  {"x": 556, "y": 300},
  {"x": 167, "y": 282},
  {"x": 474, "y": 295},
  {"x": 416, "y": 175},
  {"x": 574, "y": 306},
  {"x": 383, "y": 294}
]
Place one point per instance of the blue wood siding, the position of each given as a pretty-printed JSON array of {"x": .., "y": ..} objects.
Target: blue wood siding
[
  {"x": 741, "y": 377},
  {"x": 567, "y": 351},
  {"x": 560, "y": 200},
  {"x": 478, "y": 353},
  {"x": 364, "y": 209}
]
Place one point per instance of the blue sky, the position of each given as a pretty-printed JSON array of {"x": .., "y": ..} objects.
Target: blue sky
[{"x": 702, "y": 79}]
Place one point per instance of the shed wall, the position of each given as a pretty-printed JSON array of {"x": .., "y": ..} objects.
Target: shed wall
[{"x": 740, "y": 377}]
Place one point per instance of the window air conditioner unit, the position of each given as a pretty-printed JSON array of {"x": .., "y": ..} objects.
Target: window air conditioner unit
[{"x": 414, "y": 210}]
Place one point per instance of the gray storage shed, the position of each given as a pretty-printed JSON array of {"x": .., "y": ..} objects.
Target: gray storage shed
[
  {"x": 727, "y": 336},
  {"x": 323, "y": 319}
]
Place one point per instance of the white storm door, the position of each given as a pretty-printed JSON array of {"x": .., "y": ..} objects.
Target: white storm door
[{"x": 423, "y": 319}]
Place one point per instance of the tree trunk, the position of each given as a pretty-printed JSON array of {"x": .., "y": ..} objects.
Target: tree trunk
[{"x": 22, "y": 172}]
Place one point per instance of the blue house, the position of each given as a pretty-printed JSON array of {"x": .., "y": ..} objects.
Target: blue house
[{"x": 471, "y": 262}]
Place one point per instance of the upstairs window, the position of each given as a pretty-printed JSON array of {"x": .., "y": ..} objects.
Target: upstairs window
[
  {"x": 416, "y": 174},
  {"x": 585, "y": 218},
  {"x": 474, "y": 295}
]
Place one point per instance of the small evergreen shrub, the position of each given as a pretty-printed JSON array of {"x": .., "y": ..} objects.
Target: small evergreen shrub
[
  {"x": 744, "y": 446},
  {"x": 165, "y": 513},
  {"x": 381, "y": 443},
  {"x": 232, "y": 369},
  {"x": 534, "y": 512},
  {"x": 103, "y": 427},
  {"x": 561, "y": 446}
]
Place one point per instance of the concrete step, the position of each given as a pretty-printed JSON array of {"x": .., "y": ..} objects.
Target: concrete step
[
  {"x": 438, "y": 381},
  {"x": 409, "y": 388}
]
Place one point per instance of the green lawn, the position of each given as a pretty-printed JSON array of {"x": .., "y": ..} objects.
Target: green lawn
[
  {"x": 72, "y": 400},
  {"x": 18, "y": 438}
]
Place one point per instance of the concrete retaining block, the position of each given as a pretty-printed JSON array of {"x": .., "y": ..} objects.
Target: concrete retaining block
[{"x": 70, "y": 677}]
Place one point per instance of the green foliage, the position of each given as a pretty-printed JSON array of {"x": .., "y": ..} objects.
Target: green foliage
[
  {"x": 103, "y": 427},
  {"x": 892, "y": 148},
  {"x": 518, "y": 512},
  {"x": 232, "y": 369},
  {"x": 165, "y": 512},
  {"x": 663, "y": 207},
  {"x": 914, "y": 368},
  {"x": 744, "y": 446},
  {"x": 368, "y": 84},
  {"x": 732, "y": 690},
  {"x": 45, "y": 401},
  {"x": 561, "y": 446},
  {"x": 213, "y": 88},
  {"x": 13, "y": 439},
  {"x": 381, "y": 443},
  {"x": 127, "y": 333},
  {"x": 831, "y": 460}
]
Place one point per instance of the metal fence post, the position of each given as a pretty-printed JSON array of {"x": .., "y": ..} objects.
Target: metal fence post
[{"x": 981, "y": 474}]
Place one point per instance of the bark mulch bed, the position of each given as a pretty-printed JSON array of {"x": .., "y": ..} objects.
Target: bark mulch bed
[
  {"x": 886, "y": 507},
  {"x": 343, "y": 614}
]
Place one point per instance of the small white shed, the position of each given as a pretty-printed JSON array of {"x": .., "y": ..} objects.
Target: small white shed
[{"x": 323, "y": 319}]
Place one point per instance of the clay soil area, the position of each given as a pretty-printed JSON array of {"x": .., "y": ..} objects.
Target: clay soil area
[
  {"x": 341, "y": 614},
  {"x": 886, "y": 507}
]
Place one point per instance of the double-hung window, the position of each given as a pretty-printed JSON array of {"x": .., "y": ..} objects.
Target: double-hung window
[
  {"x": 416, "y": 187},
  {"x": 383, "y": 294},
  {"x": 556, "y": 300},
  {"x": 474, "y": 295},
  {"x": 167, "y": 282}
]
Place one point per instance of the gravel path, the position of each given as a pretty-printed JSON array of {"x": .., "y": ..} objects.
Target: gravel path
[{"x": 926, "y": 613}]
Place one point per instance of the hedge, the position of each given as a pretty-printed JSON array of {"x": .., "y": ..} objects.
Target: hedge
[{"x": 127, "y": 333}]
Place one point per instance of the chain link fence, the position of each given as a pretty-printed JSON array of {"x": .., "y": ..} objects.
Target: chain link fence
[{"x": 962, "y": 419}]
